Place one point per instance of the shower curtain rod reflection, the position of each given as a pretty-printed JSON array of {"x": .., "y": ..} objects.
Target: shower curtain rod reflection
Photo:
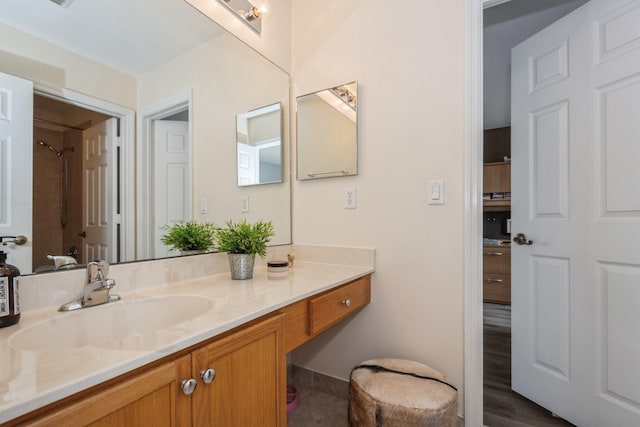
[{"x": 51, "y": 122}]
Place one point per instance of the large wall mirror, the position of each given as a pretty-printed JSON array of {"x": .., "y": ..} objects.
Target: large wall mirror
[
  {"x": 153, "y": 85},
  {"x": 327, "y": 132}
]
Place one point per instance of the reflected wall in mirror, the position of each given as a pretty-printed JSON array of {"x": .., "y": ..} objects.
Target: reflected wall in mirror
[
  {"x": 153, "y": 58},
  {"x": 259, "y": 144},
  {"x": 327, "y": 137}
]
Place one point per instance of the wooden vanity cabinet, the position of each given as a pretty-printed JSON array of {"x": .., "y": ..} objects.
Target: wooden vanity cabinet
[
  {"x": 149, "y": 398},
  {"x": 249, "y": 387},
  {"x": 307, "y": 318},
  {"x": 249, "y": 379},
  {"x": 497, "y": 274}
]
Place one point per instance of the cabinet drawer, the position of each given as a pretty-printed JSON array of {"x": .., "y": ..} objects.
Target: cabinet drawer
[
  {"x": 497, "y": 259},
  {"x": 327, "y": 309},
  {"x": 496, "y": 288}
]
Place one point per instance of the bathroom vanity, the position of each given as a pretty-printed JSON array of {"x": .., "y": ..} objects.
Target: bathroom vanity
[{"x": 225, "y": 366}]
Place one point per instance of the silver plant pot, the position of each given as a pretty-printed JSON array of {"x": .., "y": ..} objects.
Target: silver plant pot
[{"x": 241, "y": 266}]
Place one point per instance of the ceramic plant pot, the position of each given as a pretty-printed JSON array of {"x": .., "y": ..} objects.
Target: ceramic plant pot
[{"x": 241, "y": 266}]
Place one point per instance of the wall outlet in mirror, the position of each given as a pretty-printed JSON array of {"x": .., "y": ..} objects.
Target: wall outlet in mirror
[{"x": 327, "y": 132}]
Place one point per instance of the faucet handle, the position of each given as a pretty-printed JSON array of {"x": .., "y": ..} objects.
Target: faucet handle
[{"x": 97, "y": 270}]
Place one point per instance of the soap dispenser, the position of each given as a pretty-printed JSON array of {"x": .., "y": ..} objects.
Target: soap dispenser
[{"x": 9, "y": 294}]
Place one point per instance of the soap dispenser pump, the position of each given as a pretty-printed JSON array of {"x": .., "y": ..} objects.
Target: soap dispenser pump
[{"x": 9, "y": 293}]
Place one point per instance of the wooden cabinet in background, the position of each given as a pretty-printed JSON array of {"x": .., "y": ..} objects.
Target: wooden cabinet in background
[
  {"x": 497, "y": 274},
  {"x": 497, "y": 179}
]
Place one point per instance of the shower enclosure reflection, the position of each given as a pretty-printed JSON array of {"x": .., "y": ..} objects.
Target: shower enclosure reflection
[{"x": 58, "y": 228}]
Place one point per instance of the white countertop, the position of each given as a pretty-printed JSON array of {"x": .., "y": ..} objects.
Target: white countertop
[{"x": 34, "y": 378}]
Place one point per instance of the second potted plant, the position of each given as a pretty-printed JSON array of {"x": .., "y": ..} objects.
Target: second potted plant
[
  {"x": 190, "y": 237},
  {"x": 243, "y": 241}
]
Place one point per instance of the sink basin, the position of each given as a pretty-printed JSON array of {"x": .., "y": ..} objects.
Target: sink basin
[{"x": 128, "y": 324}]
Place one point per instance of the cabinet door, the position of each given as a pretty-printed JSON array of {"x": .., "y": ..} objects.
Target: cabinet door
[
  {"x": 497, "y": 178},
  {"x": 152, "y": 398},
  {"x": 249, "y": 385}
]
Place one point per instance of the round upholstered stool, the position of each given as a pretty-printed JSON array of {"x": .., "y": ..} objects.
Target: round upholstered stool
[{"x": 396, "y": 393}]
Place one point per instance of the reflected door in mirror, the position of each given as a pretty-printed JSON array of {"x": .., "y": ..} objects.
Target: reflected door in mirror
[{"x": 259, "y": 145}]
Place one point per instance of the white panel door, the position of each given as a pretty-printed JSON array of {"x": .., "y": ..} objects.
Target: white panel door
[
  {"x": 576, "y": 195},
  {"x": 172, "y": 178},
  {"x": 99, "y": 192},
  {"x": 16, "y": 167}
]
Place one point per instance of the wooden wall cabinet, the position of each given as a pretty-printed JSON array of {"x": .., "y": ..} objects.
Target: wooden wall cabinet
[
  {"x": 249, "y": 387},
  {"x": 497, "y": 179},
  {"x": 497, "y": 274}
]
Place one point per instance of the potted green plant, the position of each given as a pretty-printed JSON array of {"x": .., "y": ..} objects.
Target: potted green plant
[
  {"x": 243, "y": 241},
  {"x": 190, "y": 237}
]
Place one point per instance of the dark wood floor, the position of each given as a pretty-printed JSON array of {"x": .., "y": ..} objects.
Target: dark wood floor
[{"x": 502, "y": 406}]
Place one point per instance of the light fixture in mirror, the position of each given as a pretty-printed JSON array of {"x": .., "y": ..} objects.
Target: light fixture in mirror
[
  {"x": 259, "y": 145},
  {"x": 327, "y": 136},
  {"x": 186, "y": 55},
  {"x": 251, "y": 13}
]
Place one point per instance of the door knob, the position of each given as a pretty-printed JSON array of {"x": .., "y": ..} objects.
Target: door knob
[{"x": 521, "y": 239}]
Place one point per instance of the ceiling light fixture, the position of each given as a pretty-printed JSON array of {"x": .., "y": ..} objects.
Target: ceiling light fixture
[{"x": 249, "y": 12}]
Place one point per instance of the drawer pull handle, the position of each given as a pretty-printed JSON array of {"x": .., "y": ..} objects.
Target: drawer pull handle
[
  {"x": 494, "y": 280},
  {"x": 346, "y": 303},
  {"x": 208, "y": 375},
  {"x": 494, "y": 254},
  {"x": 188, "y": 386}
]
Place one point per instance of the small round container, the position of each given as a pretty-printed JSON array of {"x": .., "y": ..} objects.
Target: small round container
[{"x": 277, "y": 266}]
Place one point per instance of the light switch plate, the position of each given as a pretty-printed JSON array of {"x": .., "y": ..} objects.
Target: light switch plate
[
  {"x": 244, "y": 204},
  {"x": 435, "y": 192}
]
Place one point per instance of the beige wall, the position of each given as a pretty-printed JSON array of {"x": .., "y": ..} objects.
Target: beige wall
[
  {"x": 409, "y": 63},
  {"x": 42, "y": 62},
  {"x": 225, "y": 77}
]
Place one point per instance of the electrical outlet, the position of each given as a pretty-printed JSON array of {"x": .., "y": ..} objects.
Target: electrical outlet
[
  {"x": 244, "y": 204},
  {"x": 350, "y": 198},
  {"x": 203, "y": 205}
]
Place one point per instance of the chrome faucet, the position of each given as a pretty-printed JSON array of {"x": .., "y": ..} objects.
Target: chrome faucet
[{"x": 96, "y": 290}]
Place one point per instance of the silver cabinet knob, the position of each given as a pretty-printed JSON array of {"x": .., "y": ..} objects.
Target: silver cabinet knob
[
  {"x": 188, "y": 386},
  {"x": 346, "y": 303},
  {"x": 208, "y": 375}
]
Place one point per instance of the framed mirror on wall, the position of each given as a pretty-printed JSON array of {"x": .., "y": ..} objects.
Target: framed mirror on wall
[
  {"x": 327, "y": 132},
  {"x": 259, "y": 145},
  {"x": 188, "y": 60}
]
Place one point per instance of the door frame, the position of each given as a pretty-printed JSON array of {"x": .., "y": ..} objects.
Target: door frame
[
  {"x": 126, "y": 117},
  {"x": 144, "y": 185},
  {"x": 473, "y": 322}
]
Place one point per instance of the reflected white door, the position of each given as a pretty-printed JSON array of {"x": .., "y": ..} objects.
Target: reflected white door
[
  {"x": 576, "y": 195},
  {"x": 99, "y": 192},
  {"x": 172, "y": 178},
  {"x": 16, "y": 167}
]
